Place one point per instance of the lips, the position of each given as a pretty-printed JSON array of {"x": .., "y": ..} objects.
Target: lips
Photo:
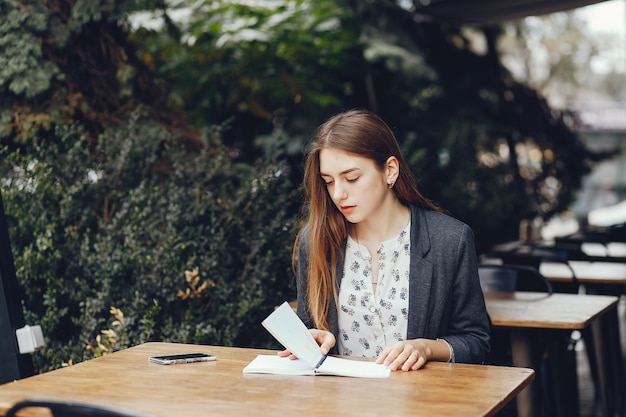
[{"x": 347, "y": 209}]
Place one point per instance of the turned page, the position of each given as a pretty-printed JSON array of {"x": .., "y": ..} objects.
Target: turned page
[{"x": 286, "y": 327}]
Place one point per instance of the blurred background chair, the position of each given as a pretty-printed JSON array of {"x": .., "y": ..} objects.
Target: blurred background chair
[
  {"x": 64, "y": 409},
  {"x": 512, "y": 277},
  {"x": 533, "y": 256}
]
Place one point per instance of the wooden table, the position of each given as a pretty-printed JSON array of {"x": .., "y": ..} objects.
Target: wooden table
[
  {"x": 594, "y": 273},
  {"x": 614, "y": 249},
  {"x": 606, "y": 278},
  {"x": 597, "y": 269},
  {"x": 126, "y": 380},
  {"x": 538, "y": 322},
  {"x": 535, "y": 251},
  {"x": 534, "y": 310}
]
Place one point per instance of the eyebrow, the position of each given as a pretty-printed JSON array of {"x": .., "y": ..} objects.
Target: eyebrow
[{"x": 347, "y": 171}]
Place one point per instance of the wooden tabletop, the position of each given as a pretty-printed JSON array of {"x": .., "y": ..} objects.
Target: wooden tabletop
[
  {"x": 544, "y": 311},
  {"x": 127, "y": 380},
  {"x": 607, "y": 249},
  {"x": 586, "y": 272},
  {"x": 606, "y": 264}
]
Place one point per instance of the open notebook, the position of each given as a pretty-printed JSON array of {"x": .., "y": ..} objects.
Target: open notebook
[{"x": 288, "y": 329}]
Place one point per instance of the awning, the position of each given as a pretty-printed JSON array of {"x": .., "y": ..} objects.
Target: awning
[{"x": 483, "y": 12}]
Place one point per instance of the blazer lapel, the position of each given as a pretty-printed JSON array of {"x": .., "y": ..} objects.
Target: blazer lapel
[{"x": 421, "y": 275}]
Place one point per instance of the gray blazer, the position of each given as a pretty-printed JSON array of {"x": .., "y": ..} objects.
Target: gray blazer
[{"x": 445, "y": 297}]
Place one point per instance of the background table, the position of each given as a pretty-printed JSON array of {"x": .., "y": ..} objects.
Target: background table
[
  {"x": 605, "y": 278},
  {"x": 542, "y": 311},
  {"x": 126, "y": 380},
  {"x": 594, "y": 273},
  {"x": 538, "y": 322}
]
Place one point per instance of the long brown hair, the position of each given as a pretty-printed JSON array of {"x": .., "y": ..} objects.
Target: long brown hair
[{"x": 362, "y": 133}]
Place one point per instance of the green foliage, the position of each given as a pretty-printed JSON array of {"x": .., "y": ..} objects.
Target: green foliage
[
  {"x": 119, "y": 223},
  {"x": 24, "y": 70},
  {"x": 261, "y": 65},
  {"x": 71, "y": 60}
]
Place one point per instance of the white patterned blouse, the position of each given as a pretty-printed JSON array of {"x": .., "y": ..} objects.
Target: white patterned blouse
[{"x": 374, "y": 316}]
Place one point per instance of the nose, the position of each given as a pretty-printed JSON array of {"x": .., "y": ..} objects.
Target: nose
[{"x": 339, "y": 192}]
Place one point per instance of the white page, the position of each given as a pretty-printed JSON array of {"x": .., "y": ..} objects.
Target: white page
[
  {"x": 274, "y": 364},
  {"x": 286, "y": 327},
  {"x": 354, "y": 368}
]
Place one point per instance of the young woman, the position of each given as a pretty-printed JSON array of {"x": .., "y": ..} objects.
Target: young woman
[{"x": 381, "y": 271}]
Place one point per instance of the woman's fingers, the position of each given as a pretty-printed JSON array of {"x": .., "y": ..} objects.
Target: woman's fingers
[
  {"x": 405, "y": 355},
  {"x": 324, "y": 339}
]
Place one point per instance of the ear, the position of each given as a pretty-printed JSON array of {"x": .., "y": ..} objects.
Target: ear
[{"x": 392, "y": 170}]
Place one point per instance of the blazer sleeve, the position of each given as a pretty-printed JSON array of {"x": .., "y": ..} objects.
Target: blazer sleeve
[
  {"x": 302, "y": 278},
  {"x": 468, "y": 328}
]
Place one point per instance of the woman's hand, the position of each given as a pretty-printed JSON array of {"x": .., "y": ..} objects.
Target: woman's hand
[
  {"x": 411, "y": 355},
  {"x": 324, "y": 339}
]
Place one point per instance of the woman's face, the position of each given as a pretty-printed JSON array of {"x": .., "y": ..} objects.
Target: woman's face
[{"x": 355, "y": 184}]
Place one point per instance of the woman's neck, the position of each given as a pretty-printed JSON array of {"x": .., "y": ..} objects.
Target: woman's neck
[{"x": 389, "y": 222}]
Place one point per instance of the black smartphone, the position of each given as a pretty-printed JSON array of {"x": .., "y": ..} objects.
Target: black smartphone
[{"x": 182, "y": 358}]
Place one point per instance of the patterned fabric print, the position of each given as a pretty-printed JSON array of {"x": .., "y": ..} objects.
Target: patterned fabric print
[{"x": 368, "y": 322}]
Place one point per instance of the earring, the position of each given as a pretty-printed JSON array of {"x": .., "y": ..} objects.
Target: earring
[{"x": 391, "y": 184}]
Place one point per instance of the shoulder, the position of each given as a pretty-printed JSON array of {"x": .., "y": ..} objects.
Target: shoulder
[
  {"x": 439, "y": 235},
  {"x": 303, "y": 236},
  {"x": 437, "y": 222},
  {"x": 304, "y": 231}
]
